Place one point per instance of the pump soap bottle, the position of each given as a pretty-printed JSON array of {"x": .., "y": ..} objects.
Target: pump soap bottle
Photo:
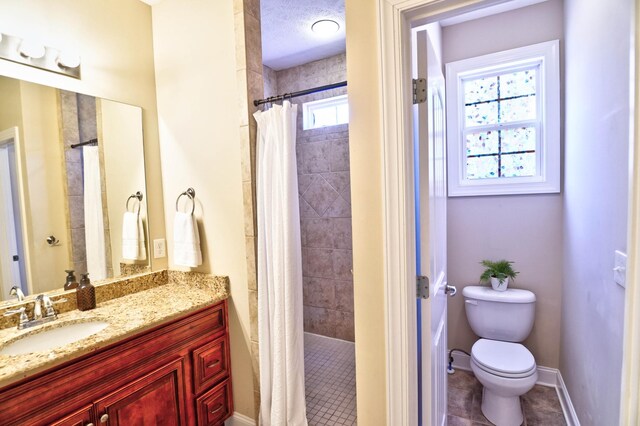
[{"x": 86, "y": 294}]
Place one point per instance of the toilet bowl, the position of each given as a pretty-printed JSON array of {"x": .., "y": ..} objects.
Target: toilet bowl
[
  {"x": 504, "y": 367},
  {"x": 506, "y": 371}
]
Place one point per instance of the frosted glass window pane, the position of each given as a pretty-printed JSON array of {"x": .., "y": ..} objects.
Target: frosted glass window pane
[
  {"x": 484, "y": 113},
  {"x": 480, "y": 89},
  {"x": 324, "y": 117},
  {"x": 343, "y": 113},
  {"x": 482, "y": 143},
  {"x": 517, "y": 165},
  {"x": 518, "y": 83},
  {"x": 482, "y": 167},
  {"x": 518, "y": 109},
  {"x": 520, "y": 139}
]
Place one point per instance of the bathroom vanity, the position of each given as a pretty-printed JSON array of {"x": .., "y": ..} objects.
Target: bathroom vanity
[{"x": 163, "y": 360}]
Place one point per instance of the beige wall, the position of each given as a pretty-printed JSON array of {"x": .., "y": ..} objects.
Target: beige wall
[
  {"x": 598, "y": 48},
  {"x": 367, "y": 207},
  {"x": 525, "y": 229},
  {"x": 44, "y": 175},
  {"x": 199, "y": 119},
  {"x": 114, "y": 40}
]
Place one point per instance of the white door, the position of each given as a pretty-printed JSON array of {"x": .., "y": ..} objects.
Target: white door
[
  {"x": 431, "y": 225},
  {"x": 10, "y": 256}
]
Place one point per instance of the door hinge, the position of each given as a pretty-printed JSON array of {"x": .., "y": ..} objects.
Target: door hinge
[
  {"x": 419, "y": 90},
  {"x": 422, "y": 287}
]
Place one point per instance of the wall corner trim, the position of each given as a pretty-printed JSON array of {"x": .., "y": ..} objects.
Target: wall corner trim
[
  {"x": 547, "y": 376},
  {"x": 239, "y": 420}
]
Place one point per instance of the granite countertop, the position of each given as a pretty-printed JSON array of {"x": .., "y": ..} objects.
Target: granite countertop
[{"x": 126, "y": 315}]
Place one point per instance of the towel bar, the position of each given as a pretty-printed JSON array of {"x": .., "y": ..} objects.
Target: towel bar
[
  {"x": 138, "y": 196},
  {"x": 191, "y": 194}
]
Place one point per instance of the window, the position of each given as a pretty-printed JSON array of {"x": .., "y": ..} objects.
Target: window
[
  {"x": 325, "y": 112},
  {"x": 504, "y": 122}
]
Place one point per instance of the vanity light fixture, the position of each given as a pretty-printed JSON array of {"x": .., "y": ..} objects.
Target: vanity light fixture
[
  {"x": 28, "y": 52},
  {"x": 325, "y": 27}
]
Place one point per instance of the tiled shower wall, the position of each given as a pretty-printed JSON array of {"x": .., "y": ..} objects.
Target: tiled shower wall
[
  {"x": 79, "y": 124},
  {"x": 325, "y": 202}
]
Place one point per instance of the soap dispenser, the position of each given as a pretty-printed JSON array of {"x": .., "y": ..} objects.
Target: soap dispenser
[
  {"x": 86, "y": 294},
  {"x": 71, "y": 281}
]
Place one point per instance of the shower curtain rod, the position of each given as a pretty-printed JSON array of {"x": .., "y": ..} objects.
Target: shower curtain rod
[
  {"x": 76, "y": 145},
  {"x": 272, "y": 99}
]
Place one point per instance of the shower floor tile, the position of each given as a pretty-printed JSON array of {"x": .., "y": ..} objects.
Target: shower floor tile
[{"x": 330, "y": 380}]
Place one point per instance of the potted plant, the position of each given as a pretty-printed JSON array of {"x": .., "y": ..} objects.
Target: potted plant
[{"x": 498, "y": 273}]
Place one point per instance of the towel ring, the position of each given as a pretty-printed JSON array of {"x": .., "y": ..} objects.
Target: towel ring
[
  {"x": 191, "y": 194},
  {"x": 138, "y": 196}
]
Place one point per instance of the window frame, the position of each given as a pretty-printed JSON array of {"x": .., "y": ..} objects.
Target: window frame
[
  {"x": 547, "y": 123},
  {"x": 309, "y": 107}
]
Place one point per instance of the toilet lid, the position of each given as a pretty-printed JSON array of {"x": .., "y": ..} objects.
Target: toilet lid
[{"x": 505, "y": 359}]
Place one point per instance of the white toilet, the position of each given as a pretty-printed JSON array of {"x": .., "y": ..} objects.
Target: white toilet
[{"x": 505, "y": 368}]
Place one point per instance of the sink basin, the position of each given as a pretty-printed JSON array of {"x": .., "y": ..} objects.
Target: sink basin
[{"x": 47, "y": 339}]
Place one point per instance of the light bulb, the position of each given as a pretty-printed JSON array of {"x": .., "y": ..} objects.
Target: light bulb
[
  {"x": 30, "y": 49},
  {"x": 325, "y": 27},
  {"x": 68, "y": 60}
]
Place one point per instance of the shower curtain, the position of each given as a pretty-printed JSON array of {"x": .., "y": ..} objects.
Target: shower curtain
[
  {"x": 93, "y": 219},
  {"x": 280, "y": 331}
]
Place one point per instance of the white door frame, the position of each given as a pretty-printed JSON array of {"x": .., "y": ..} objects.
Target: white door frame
[
  {"x": 396, "y": 19},
  {"x": 630, "y": 393}
]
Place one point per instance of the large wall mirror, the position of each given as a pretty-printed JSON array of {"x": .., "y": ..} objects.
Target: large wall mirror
[{"x": 72, "y": 188}]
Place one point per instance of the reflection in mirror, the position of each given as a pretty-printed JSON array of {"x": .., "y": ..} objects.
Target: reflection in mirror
[{"x": 69, "y": 164}]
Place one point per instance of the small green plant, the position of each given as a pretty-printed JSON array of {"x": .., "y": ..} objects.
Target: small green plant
[{"x": 500, "y": 269}]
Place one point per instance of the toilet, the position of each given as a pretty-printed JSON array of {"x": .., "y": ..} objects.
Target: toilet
[{"x": 504, "y": 367}]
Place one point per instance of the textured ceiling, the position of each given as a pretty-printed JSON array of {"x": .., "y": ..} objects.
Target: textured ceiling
[{"x": 287, "y": 39}]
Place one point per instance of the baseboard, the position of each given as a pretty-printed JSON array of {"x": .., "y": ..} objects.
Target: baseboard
[
  {"x": 550, "y": 377},
  {"x": 239, "y": 420},
  {"x": 565, "y": 401}
]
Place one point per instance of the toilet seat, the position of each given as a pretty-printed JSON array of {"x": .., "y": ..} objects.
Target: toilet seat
[{"x": 504, "y": 359}]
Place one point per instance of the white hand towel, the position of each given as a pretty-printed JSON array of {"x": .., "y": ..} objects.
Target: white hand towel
[
  {"x": 133, "y": 241},
  {"x": 186, "y": 241}
]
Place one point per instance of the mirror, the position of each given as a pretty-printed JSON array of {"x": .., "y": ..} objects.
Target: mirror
[{"x": 72, "y": 187}]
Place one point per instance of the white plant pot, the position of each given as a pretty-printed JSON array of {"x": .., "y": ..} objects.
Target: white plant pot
[{"x": 499, "y": 286}]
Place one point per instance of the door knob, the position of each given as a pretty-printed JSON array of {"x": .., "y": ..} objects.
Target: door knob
[{"x": 450, "y": 290}]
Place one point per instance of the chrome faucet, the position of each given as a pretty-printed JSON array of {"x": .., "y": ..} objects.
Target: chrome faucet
[
  {"x": 40, "y": 301},
  {"x": 17, "y": 291}
]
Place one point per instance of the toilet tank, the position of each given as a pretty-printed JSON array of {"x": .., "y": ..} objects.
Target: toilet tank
[{"x": 500, "y": 315}]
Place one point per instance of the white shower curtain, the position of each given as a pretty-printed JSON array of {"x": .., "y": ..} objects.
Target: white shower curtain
[
  {"x": 280, "y": 332},
  {"x": 93, "y": 219}
]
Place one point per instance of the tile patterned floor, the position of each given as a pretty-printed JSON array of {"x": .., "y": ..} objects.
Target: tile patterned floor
[
  {"x": 541, "y": 405},
  {"x": 330, "y": 380}
]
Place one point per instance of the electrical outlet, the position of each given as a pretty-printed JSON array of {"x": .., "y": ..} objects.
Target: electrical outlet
[
  {"x": 620, "y": 268},
  {"x": 159, "y": 248}
]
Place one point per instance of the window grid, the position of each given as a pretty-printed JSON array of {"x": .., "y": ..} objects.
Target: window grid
[{"x": 499, "y": 126}]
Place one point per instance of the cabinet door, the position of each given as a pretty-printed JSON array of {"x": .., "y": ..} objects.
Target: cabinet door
[
  {"x": 154, "y": 399},
  {"x": 82, "y": 417}
]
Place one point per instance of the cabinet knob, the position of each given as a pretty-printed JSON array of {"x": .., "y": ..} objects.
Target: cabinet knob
[
  {"x": 104, "y": 418},
  {"x": 89, "y": 424}
]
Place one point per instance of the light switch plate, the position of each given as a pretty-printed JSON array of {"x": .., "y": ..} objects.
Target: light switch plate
[
  {"x": 159, "y": 248},
  {"x": 620, "y": 268}
]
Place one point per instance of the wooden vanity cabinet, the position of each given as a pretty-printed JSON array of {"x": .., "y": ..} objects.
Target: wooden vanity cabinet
[{"x": 175, "y": 374}]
